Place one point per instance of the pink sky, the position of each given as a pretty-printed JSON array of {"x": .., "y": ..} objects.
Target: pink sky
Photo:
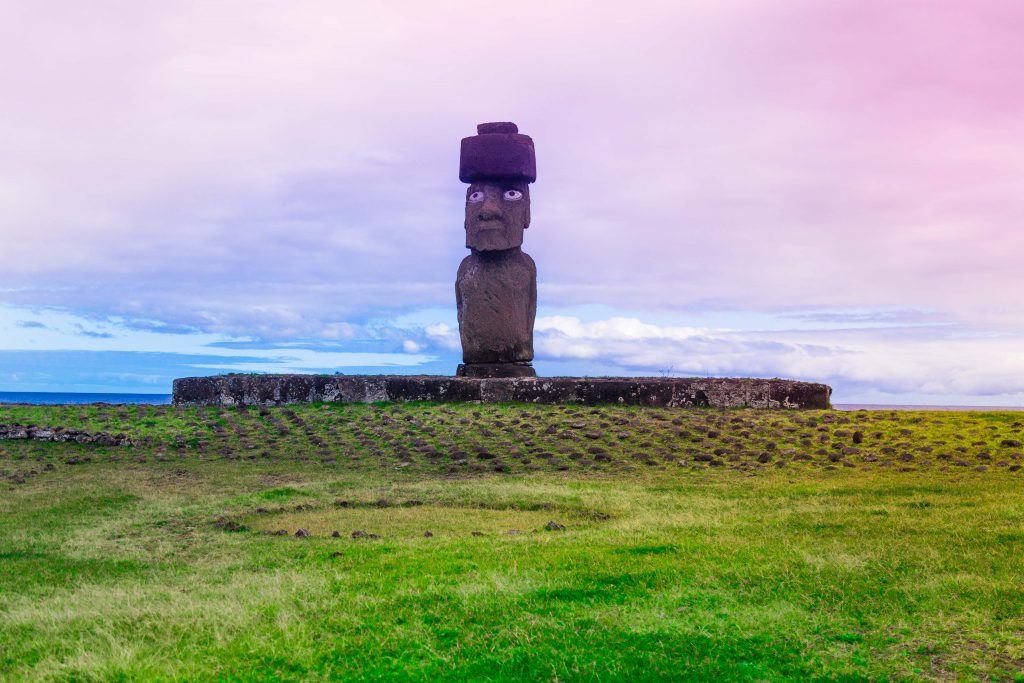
[{"x": 266, "y": 169}]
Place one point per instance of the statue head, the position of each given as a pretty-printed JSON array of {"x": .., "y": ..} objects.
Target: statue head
[{"x": 499, "y": 164}]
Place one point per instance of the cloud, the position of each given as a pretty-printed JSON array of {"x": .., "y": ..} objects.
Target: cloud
[
  {"x": 443, "y": 337},
  {"x": 29, "y": 324},
  {"x": 300, "y": 173},
  {"x": 96, "y": 335},
  {"x": 863, "y": 360},
  {"x": 938, "y": 362}
]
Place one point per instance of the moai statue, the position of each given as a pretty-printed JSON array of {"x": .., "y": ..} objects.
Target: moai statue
[{"x": 496, "y": 288}]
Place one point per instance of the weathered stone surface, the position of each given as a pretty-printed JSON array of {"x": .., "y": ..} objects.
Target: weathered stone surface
[
  {"x": 496, "y": 294},
  {"x": 648, "y": 391},
  {"x": 497, "y": 213},
  {"x": 492, "y": 370}
]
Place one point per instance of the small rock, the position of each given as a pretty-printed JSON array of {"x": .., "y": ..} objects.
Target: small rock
[
  {"x": 427, "y": 534},
  {"x": 301, "y": 533},
  {"x": 554, "y": 526},
  {"x": 358, "y": 533},
  {"x": 281, "y": 532},
  {"x": 336, "y": 554},
  {"x": 335, "y": 534},
  {"x": 477, "y": 533}
]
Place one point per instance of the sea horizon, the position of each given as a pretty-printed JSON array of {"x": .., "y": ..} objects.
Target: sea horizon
[
  {"x": 81, "y": 397},
  {"x": 84, "y": 397}
]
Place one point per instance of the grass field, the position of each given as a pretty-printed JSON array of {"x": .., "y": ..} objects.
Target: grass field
[{"x": 564, "y": 544}]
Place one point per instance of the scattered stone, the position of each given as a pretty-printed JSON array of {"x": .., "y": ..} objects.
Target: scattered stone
[
  {"x": 301, "y": 533},
  {"x": 335, "y": 534},
  {"x": 428, "y": 534},
  {"x": 554, "y": 526},
  {"x": 227, "y": 524}
]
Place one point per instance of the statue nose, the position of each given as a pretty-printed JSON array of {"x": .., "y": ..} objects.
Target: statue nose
[{"x": 489, "y": 210}]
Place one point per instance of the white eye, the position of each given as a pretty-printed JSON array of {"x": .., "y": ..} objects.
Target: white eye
[
  {"x": 474, "y": 197},
  {"x": 513, "y": 195}
]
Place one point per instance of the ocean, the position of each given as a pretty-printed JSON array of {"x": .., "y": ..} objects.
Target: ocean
[
  {"x": 870, "y": 406},
  {"x": 56, "y": 398}
]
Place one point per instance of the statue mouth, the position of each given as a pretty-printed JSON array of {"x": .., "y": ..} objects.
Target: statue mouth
[{"x": 489, "y": 225}]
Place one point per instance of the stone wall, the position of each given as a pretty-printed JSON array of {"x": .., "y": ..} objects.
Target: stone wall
[
  {"x": 232, "y": 390},
  {"x": 32, "y": 432}
]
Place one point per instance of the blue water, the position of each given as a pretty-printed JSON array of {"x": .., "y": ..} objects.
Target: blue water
[
  {"x": 873, "y": 406},
  {"x": 56, "y": 398}
]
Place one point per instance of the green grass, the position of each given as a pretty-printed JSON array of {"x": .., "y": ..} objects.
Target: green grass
[{"x": 885, "y": 546}]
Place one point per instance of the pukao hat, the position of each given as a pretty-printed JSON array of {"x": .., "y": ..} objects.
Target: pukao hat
[{"x": 498, "y": 150}]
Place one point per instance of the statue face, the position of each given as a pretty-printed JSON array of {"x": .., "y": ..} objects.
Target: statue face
[{"x": 497, "y": 212}]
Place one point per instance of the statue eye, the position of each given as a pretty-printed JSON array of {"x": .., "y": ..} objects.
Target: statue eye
[
  {"x": 474, "y": 197},
  {"x": 513, "y": 195}
]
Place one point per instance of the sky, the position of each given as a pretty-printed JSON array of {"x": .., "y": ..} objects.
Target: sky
[{"x": 828, "y": 191}]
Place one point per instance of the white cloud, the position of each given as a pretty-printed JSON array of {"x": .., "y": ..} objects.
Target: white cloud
[
  {"x": 936, "y": 362},
  {"x": 443, "y": 336}
]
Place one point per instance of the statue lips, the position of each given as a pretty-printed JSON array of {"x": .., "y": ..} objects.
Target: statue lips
[{"x": 490, "y": 224}]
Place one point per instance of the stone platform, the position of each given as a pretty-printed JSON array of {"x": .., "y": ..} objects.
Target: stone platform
[{"x": 233, "y": 390}]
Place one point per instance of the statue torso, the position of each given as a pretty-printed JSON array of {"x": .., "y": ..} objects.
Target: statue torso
[{"x": 497, "y": 303}]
